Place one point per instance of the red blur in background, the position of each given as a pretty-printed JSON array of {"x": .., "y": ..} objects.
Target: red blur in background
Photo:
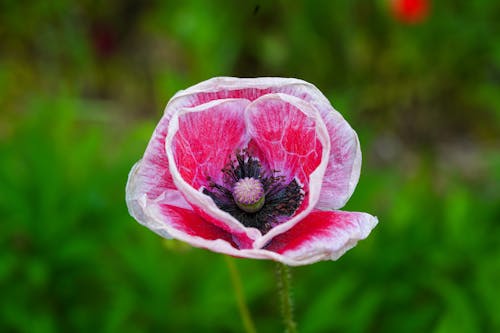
[{"x": 410, "y": 11}]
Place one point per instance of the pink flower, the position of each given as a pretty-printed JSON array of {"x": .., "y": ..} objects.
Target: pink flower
[{"x": 253, "y": 168}]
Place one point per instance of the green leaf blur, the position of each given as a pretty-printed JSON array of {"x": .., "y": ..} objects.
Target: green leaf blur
[{"x": 82, "y": 86}]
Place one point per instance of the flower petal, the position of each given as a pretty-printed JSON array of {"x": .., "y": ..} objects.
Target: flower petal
[
  {"x": 190, "y": 223},
  {"x": 324, "y": 238},
  {"x": 322, "y": 235},
  {"x": 200, "y": 142},
  {"x": 150, "y": 178},
  {"x": 153, "y": 176},
  {"x": 344, "y": 167},
  {"x": 284, "y": 128},
  {"x": 206, "y": 137},
  {"x": 294, "y": 141},
  {"x": 184, "y": 224},
  {"x": 342, "y": 173}
]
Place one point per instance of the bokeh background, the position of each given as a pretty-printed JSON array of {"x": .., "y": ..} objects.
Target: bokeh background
[{"x": 82, "y": 85}]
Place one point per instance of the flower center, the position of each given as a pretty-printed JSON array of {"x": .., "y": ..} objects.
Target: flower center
[
  {"x": 248, "y": 193},
  {"x": 255, "y": 196}
]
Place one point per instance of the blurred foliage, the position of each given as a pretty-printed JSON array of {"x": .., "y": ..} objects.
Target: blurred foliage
[{"x": 82, "y": 85}]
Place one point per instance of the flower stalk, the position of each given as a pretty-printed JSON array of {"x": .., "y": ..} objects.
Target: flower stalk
[
  {"x": 284, "y": 291},
  {"x": 246, "y": 318}
]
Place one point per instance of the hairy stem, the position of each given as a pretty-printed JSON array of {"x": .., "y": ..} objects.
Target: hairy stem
[
  {"x": 240, "y": 296},
  {"x": 284, "y": 286}
]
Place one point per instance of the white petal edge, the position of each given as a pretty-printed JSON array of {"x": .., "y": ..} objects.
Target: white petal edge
[
  {"x": 318, "y": 249},
  {"x": 138, "y": 202},
  {"x": 156, "y": 224}
]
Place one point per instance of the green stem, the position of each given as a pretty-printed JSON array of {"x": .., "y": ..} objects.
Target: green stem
[
  {"x": 240, "y": 296},
  {"x": 284, "y": 286}
]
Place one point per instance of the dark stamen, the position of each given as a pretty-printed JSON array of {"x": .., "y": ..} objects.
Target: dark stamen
[{"x": 281, "y": 199}]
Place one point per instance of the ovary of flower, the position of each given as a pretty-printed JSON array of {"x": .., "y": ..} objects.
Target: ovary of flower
[{"x": 248, "y": 193}]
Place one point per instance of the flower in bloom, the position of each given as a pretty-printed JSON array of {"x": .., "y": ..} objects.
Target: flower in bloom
[
  {"x": 254, "y": 168},
  {"x": 410, "y": 11}
]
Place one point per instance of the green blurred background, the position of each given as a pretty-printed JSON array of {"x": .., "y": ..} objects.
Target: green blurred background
[{"x": 82, "y": 86}]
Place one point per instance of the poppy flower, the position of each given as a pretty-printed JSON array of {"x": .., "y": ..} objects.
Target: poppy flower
[
  {"x": 410, "y": 11},
  {"x": 253, "y": 168}
]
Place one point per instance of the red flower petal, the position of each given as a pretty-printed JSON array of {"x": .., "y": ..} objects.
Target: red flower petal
[
  {"x": 170, "y": 216},
  {"x": 293, "y": 140},
  {"x": 285, "y": 135},
  {"x": 206, "y": 137},
  {"x": 192, "y": 224},
  {"x": 323, "y": 235},
  {"x": 175, "y": 222},
  {"x": 200, "y": 142},
  {"x": 342, "y": 173}
]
